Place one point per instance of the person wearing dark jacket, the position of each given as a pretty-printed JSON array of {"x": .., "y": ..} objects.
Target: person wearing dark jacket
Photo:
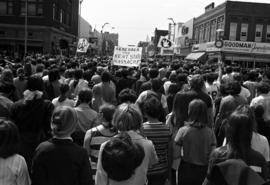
[
  {"x": 59, "y": 160},
  {"x": 32, "y": 116}
]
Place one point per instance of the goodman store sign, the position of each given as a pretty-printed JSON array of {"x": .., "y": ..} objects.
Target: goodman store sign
[{"x": 246, "y": 47}]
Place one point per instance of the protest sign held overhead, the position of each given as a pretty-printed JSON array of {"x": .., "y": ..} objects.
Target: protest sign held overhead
[
  {"x": 127, "y": 56},
  {"x": 165, "y": 43},
  {"x": 83, "y": 45}
]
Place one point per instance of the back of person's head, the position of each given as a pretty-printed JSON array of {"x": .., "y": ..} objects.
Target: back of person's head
[
  {"x": 259, "y": 111},
  {"x": 107, "y": 111},
  {"x": 211, "y": 77},
  {"x": 263, "y": 88},
  {"x": 127, "y": 117},
  {"x": 173, "y": 88},
  {"x": 156, "y": 84},
  {"x": 127, "y": 96},
  {"x": 54, "y": 75},
  {"x": 239, "y": 131},
  {"x": 85, "y": 95},
  {"x": 35, "y": 83},
  {"x": 64, "y": 121},
  {"x": 153, "y": 73},
  {"x": 151, "y": 107},
  {"x": 173, "y": 77},
  {"x": 144, "y": 72},
  {"x": 182, "y": 78},
  {"x": 6, "y": 87},
  {"x": 7, "y": 75},
  {"x": 252, "y": 75},
  {"x": 105, "y": 76},
  {"x": 233, "y": 88},
  {"x": 120, "y": 157},
  {"x": 197, "y": 83},
  {"x": 237, "y": 77},
  {"x": 78, "y": 74},
  {"x": 228, "y": 69},
  {"x": 197, "y": 113},
  {"x": 9, "y": 138},
  {"x": 64, "y": 88}
]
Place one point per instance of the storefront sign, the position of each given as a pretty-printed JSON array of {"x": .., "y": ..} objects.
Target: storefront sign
[
  {"x": 261, "y": 48},
  {"x": 238, "y": 46},
  {"x": 166, "y": 52},
  {"x": 127, "y": 56}
]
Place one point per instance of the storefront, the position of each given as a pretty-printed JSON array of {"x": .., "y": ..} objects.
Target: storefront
[{"x": 246, "y": 54}]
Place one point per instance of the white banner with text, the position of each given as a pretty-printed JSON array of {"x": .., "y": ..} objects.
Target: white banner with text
[{"x": 127, "y": 56}]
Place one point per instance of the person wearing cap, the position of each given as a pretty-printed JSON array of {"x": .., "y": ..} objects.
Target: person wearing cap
[{"x": 59, "y": 160}]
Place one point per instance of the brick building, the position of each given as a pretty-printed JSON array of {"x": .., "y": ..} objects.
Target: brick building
[
  {"x": 49, "y": 21},
  {"x": 242, "y": 27}
]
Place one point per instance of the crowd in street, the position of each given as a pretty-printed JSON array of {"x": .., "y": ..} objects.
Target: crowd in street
[{"x": 81, "y": 121}]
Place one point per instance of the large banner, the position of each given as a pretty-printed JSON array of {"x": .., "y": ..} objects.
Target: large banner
[
  {"x": 83, "y": 45},
  {"x": 127, "y": 56}
]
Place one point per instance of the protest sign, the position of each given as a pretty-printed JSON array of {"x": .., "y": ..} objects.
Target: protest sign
[
  {"x": 83, "y": 45},
  {"x": 127, "y": 56}
]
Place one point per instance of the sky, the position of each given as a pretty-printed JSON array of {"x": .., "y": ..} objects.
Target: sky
[{"x": 135, "y": 20}]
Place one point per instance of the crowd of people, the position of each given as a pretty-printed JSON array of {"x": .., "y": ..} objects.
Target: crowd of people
[{"x": 81, "y": 121}]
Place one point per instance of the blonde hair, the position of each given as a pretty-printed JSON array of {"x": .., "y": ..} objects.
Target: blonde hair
[
  {"x": 64, "y": 121},
  {"x": 127, "y": 117}
]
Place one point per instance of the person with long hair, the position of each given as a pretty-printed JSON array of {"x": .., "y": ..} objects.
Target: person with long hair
[
  {"x": 13, "y": 168},
  {"x": 94, "y": 137},
  {"x": 63, "y": 99},
  {"x": 197, "y": 140},
  {"x": 128, "y": 118},
  {"x": 239, "y": 131}
]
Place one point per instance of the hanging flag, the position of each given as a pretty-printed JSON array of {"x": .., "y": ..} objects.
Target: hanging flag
[{"x": 83, "y": 45}]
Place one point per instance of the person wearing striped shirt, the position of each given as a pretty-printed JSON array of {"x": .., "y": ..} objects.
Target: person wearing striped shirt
[
  {"x": 99, "y": 134},
  {"x": 159, "y": 133}
]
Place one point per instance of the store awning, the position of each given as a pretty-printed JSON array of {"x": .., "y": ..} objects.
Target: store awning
[{"x": 195, "y": 56}]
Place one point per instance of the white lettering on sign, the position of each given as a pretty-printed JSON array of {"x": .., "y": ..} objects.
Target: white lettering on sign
[{"x": 127, "y": 56}]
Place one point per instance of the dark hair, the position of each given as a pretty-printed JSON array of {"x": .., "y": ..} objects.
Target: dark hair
[
  {"x": 53, "y": 75},
  {"x": 239, "y": 132},
  {"x": 6, "y": 87},
  {"x": 263, "y": 87},
  {"x": 107, "y": 110},
  {"x": 151, "y": 107},
  {"x": 228, "y": 69},
  {"x": 156, "y": 84},
  {"x": 197, "y": 113},
  {"x": 64, "y": 88},
  {"x": 258, "y": 111},
  {"x": 85, "y": 95},
  {"x": 233, "y": 88},
  {"x": 121, "y": 157},
  {"x": 197, "y": 82},
  {"x": 105, "y": 76},
  {"x": 252, "y": 75},
  {"x": 35, "y": 83},
  {"x": 153, "y": 73},
  {"x": 127, "y": 95},
  {"x": 9, "y": 138},
  {"x": 211, "y": 77}
]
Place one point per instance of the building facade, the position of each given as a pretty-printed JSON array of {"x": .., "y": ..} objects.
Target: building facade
[
  {"x": 242, "y": 29},
  {"x": 49, "y": 23}
]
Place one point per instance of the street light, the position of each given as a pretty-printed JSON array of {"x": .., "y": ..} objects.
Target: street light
[
  {"x": 79, "y": 28},
  {"x": 25, "y": 28},
  {"x": 102, "y": 36}
]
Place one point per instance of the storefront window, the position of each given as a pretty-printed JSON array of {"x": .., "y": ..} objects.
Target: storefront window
[
  {"x": 258, "y": 33},
  {"x": 201, "y": 34},
  {"x": 244, "y": 32},
  {"x": 233, "y": 29}
]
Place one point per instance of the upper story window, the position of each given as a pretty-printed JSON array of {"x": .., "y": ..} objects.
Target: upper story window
[
  {"x": 6, "y": 7},
  {"x": 54, "y": 11},
  {"x": 258, "y": 33},
  {"x": 233, "y": 29},
  {"x": 267, "y": 33},
  {"x": 213, "y": 28},
  {"x": 34, "y": 7},
  {"x": 244, "y": 32}
]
